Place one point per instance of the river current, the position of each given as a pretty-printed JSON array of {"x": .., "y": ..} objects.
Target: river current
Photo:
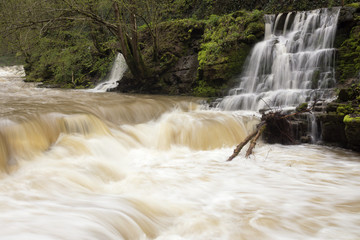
[{"x": 86, "y": 165}]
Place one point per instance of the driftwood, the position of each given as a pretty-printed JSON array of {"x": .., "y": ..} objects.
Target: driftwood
[
  {"x": 277, "y": 123},
  {"x": 253, "y": 137}
]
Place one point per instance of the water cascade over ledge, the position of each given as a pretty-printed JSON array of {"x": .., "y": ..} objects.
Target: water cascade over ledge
[
  {"x": 87, "y": 165},
  {"x": 294, "y": 63},
  {"x": 117, "y": 71}
]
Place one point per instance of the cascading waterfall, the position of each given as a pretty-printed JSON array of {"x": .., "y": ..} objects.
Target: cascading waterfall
[
  {"x": 82, "y": 165},
  {"x": 117, "y": 71},
  {"x": 294, "y": 63}
]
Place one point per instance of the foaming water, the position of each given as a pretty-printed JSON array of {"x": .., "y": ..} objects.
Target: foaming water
[
  {"x": 118, "y": 69},
  {"x": 81, "y": 165},
  {"x": 294, "y": 63}
]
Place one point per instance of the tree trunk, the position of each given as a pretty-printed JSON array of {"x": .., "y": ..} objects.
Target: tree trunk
[{"x": 129, "y": 44}]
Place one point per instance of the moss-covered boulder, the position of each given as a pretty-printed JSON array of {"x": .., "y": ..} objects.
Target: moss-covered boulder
[
  {"x": 301, "y": 107},
  {"x": 333, "y": 129},
  {"x": 352, "y": 131}
]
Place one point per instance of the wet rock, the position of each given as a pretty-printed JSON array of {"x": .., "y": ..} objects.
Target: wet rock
[
  {"x": 352, "y": 131},
  {"x": 300, "y": 129},
  {"x": 347, "y": 14},
  {"x": 181, "y": 77},
  {"x": 306, "y": 139},
  {"x": 301, "y": 107},
  {"x": 346, "y": 94},
  {"x": 333, "y": 129},
  {"x": 332, "y": 107}
]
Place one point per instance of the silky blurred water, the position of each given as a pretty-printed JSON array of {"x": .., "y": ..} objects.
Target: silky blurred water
[{"x": 85, "y": 165}]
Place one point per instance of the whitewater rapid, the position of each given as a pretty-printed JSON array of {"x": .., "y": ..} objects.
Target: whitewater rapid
[{"x": 83, "y": 165}]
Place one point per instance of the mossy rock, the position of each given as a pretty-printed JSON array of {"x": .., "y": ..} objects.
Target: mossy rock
[
  {"x": 302, "y": 107},
  {"x": 353, "y": 5},
  {"x": 226, "y": 43},
  {"x": 348, "y": 64},
  {"x": 344, "y": 109},
  {"x": 333, "y": 129},
  {"x": 352, "y": 118},
  {"x": 344, "y": 95},
  {"x": 352, "y": 131}
]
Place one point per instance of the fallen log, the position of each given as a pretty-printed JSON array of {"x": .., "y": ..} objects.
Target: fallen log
[
  {"x": 254, "y": 139},
  {"x": 253, "y": 136},
  {"x": 277, "y": 124}
]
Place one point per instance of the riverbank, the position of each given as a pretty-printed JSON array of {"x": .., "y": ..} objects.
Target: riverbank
[
  {"x": 201, "y": 57},
  {"x": 197, "y": 52}
]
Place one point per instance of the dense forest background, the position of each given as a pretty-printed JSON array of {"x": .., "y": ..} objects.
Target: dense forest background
[{"x": 192, "y": 47}]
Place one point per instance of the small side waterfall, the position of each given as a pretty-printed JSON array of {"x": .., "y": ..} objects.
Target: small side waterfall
[
  {"x": 118, "y": 69},
  {"x": 294, "y": 63}
]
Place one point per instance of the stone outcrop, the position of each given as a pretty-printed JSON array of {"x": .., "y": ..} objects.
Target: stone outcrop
[
  {"x": 337, "y": 123},
  {"x": 332, "y": 129},
  {"x": 352, "y": 131},
  {"x": 182, "y": 76}
]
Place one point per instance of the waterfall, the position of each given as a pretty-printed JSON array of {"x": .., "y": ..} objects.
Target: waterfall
[
  {"x": 294, "y": 63},
  {"x": 78, "y": 165},
  {"x": 117, "y": 71}
]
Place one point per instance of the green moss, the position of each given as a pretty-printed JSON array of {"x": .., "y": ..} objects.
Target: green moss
[
  {"x": 69, "y": 59},
  {"x": 226, "y": 43},
  {"x": 204, "y": 90},
  {"x": 168, "y": 59},
  {"x": 349, "y": 55},
  {"x": 302, "y": 107},
  {"x": 354, "y": 5},
  {"x": 10, "y": 60},
  {"x": 223, "y": 33},
  {"x": 274, "y": 6},
  {"x": 352, "y": 118},
  {"x": 349, "y": 94},
  {"x": 237, "y": 59},
  {"x": 343, "y": 110}
]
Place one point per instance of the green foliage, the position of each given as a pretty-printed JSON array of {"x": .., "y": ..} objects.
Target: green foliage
[
  {"x": 227, "y": 31},
  {"x": 10, "y": 60},
  {"x": 226, "y": 42},
  {"x": 174, "y": 40},
  {"x": 351, "y": 97},
  {"x": 73, "y": 53},
  {"x": 201, "y": 9},
  {"x": 349, "y": 55},
  {"x": 355, "y": 91},
  {"x": 67, "y": 59},
  {"x": 167, "y": 60},
  {"x": 213, "y": 19},
  {"x": 204, "y": 90},
  {"x": 275, "y": 6}
]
